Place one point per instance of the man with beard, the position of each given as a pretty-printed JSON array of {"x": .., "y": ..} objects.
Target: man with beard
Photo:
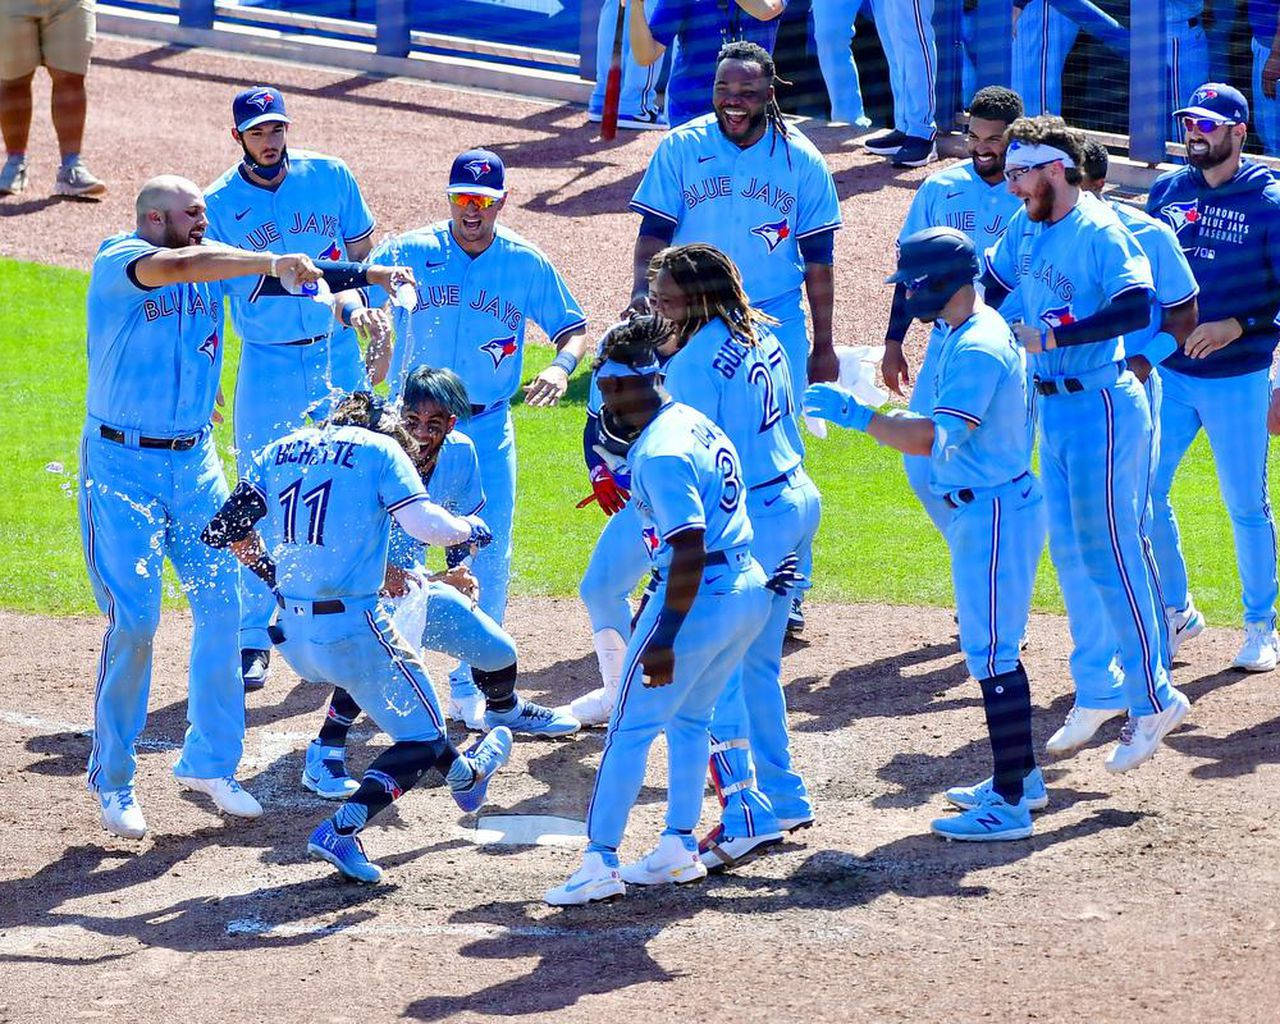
[
  {"x": 291, "y": 362},
  {"x": 971, "y": 197},
  {"x": 1084, "y": 282},
  {"x": 1225, "y": 211}
]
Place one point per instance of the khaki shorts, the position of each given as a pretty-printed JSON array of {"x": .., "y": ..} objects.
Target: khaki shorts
[{"x": 55, "y": 33}]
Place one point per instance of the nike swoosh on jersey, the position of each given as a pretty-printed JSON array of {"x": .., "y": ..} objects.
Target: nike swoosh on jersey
[
  {"x": 1026, "y": 492},
  {"x": 952, "y": 195},
  {"x": 242, "y": 213},
  {"x": 432, "y": 266},
  {"x": 769, "y": 501},
  {"x": 704, "y": 159}
]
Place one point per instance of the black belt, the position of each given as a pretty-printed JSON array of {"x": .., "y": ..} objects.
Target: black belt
[
  {"x": 781, "y": 478},
  {"x": 713, "y": 558},
  {"x": 306, "y": 341},
  {"x": 174, "y": 444},
  {"x": 1070, "y": 386},
  {"x": 332, "y": 607},
  {"x": 965, "y": 495},
  {"x": 479, "y": 410}
]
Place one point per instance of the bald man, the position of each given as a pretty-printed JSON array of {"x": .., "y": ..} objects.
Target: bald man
[{"x": 150, "y": 479}]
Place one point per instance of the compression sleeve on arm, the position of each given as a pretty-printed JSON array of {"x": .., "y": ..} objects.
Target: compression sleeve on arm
[
  {"x": 994, "y": 291},
  {"x": 658, "y": 227},
  {"x": 1128, "y": 311},
  {"x": 235, "y": 520},
  {"x": 899, "y": 321},
  {"x": 339, "y": 275},
  {"x": 819, "y": 248},
  {"x": 426, "y": 521}
]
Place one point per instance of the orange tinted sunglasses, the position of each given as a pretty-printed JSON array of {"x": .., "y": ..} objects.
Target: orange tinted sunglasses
[{"x": 469, "y": 198}]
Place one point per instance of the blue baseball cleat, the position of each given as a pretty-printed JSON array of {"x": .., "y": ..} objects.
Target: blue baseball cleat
[
  {"x": 346, "y": 853},
  {"x": 992, "y": 821},
  {"x": 534, "y": 720},
  {"x": 485, "y": 758},
  {"x": 1034, "y": 793},
  {"x": 325, "y": 772}
]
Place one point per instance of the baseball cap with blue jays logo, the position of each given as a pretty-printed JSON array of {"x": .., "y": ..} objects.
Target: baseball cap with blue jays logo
[
  {"x": 256, "y": 105},
  {"x": 1217, "y": 102},
  {"x": 480, "y": 172}
]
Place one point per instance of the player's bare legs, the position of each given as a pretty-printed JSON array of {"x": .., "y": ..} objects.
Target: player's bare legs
[{"x": 15, "y": 125}]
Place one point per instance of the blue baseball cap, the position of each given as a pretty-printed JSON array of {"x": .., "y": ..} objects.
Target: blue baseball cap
[
  {"x": 479, "y": 171},
  {"x": 1217, "y": 102},
  {"x": 256, "y": 105}
]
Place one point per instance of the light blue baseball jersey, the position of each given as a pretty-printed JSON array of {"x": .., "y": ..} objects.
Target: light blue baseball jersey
[
  {"x": 330, "y": 494},
  {"x": 1068, "y": 270},
  {"x": 686, "y": 475},
  {"x": 472, "y": 310},
  {"x": 754, "y": 204},
  {"x": 1175, "y": 283},
  {"x": 746, "y": 391},
  {"x": 980, "y": 410},
  {"x": 1183, "y": 10},
  {"x": 454, "y": 484},
  {"x": 155, "y": 354},
  {"x": 957, "y": 197},
  {"x": 317, "y": 210}
]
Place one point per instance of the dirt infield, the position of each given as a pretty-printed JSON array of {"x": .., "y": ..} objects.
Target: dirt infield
[
  {"x": 1145, "y": 897},
  {"x": 1152, "y": 896}
]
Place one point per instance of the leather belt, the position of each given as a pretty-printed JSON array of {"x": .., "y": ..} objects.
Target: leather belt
[
  {"x": 173, "y": 444},
  {"x": 306, "y": 341},
  {"x": 330, "y": 607},
  {"x": 480, "y": 410},
  {"x": 1070, "y": 386},
  {"x": 781, "y": 478},
  {"x": 966, "y": 494}
]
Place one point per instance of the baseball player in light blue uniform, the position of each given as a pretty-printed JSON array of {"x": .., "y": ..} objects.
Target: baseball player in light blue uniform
[
  {"x": 324, "y": 497},
  {"x": 479, "y": 285},
  {"x": 1042, "y": 39},
  {"x": 292, "y": 361},
  {"x": 1095, "y": 662},
  {"x": 971, "y": 197},
  {"x": 737, "y": 376},
  {"x": 979, "y": 449},
  {"x": 1264, "y": 30},
  {"x": 638, "y": 105},
  {"x": 691, "y": 634},
  {"x": 1187, "y": 47},
  {"x": 743, "y": 180},
  {"x": 906, "y": 33},
  {"x": 834, "y": 26},
  {"x": 1225, "y": 211},
  {"x": 1084, "y": 282},
  {"x": 149, "y": 480}
]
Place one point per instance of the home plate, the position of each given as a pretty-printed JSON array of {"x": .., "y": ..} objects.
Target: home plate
[{"x": 527, "y": 830}]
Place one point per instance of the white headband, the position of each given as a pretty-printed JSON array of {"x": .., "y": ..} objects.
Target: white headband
[{"x": 1033, "y": 154}]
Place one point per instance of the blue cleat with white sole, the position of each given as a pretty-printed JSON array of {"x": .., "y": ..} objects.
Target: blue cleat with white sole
[
  {"x": 485, "y": 758},
  {"x": 992, "y": 821},
  {"x": 532, "y": 719},
  {"x": 346, "y": 853},
  {"x": 1034, "y": 793},
  {"x": 325, "y": 772}
]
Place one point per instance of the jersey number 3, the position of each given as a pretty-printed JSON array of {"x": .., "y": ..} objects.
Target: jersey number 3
[{"x": 316, "y": 501}]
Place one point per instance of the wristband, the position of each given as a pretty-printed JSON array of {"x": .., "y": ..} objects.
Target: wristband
[
  {"x": 567, "y": 361},
  {"x": 347, "y": 312},
  {"x": 665, "y": 629},
  {"x": 274, "y": 260}
]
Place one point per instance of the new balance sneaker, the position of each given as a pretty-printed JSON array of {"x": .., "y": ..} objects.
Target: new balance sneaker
[
  {"x": 915, "y": 152},
  {"x": 76, "y": 181},
  {"x": 885, "y": 143},
  {"x": 644, "y": 121},
  {"x": 1034, "y": 793},
  {"x": 228, "y": 795},
  {"x": 795, "y": 618},
  {"x": 121, "y": 814},
  {"x": 597, "y": 879},
  {"x": 346, "y": 853},
  {"x": 1184, "y": 624},
  {"x": 1079, "y": 728},
  {"x": 485, "y": 758},
  {"x": 468, "y": 708},
  {"x": 255, "y": 667},
  {"x": 590, "y": 709},
  {"x": 13, "y": 176},
  {"x": 719, "y": 851},
  {"x": 1142, "y": 734},
  {"x": 533, "y": 720},
  {"x": 669, "y": 861},
  {"x": 991, "y": 821},
  {"x": 325, "y": 772},
  {"x": 1260, "y": 649}
]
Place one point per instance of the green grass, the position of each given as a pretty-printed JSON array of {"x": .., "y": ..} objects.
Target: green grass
[{"x": 875, "y": 543}]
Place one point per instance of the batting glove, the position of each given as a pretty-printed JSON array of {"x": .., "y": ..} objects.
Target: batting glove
[
  {"x": 481, "y": 535},
  {"x": 786, "y": 575},
  {"x": 834, "y": 403},
  {"x": 611, "y": 496}
]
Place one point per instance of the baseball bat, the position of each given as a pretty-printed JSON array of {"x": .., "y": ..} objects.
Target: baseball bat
[{"x": 613, "y": 83}]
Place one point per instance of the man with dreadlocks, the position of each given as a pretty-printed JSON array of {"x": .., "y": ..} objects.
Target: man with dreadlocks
[
  {"x": 745, "y": 181},
  {"x": 731, "y": 368}
]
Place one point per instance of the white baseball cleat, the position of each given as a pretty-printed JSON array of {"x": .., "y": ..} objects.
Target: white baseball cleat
[
  {"x": 669, "y": 861},
  {"x": 595, "y": 880},
  {"x": 1079, "y": 728},
  {"x": 1184, "y": 624},
  {"x": 468, "y": 708},
  {"x": 1260, "y": 649},
  {"x": 793, "y": 825},
  {"x": 719, "y": 852},
  {"x": 121, "y": 814},
  {"x": 1142, "y": 734},
  {"x": 592, "y": 708},
  {"x": 228, "y": 795}
]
